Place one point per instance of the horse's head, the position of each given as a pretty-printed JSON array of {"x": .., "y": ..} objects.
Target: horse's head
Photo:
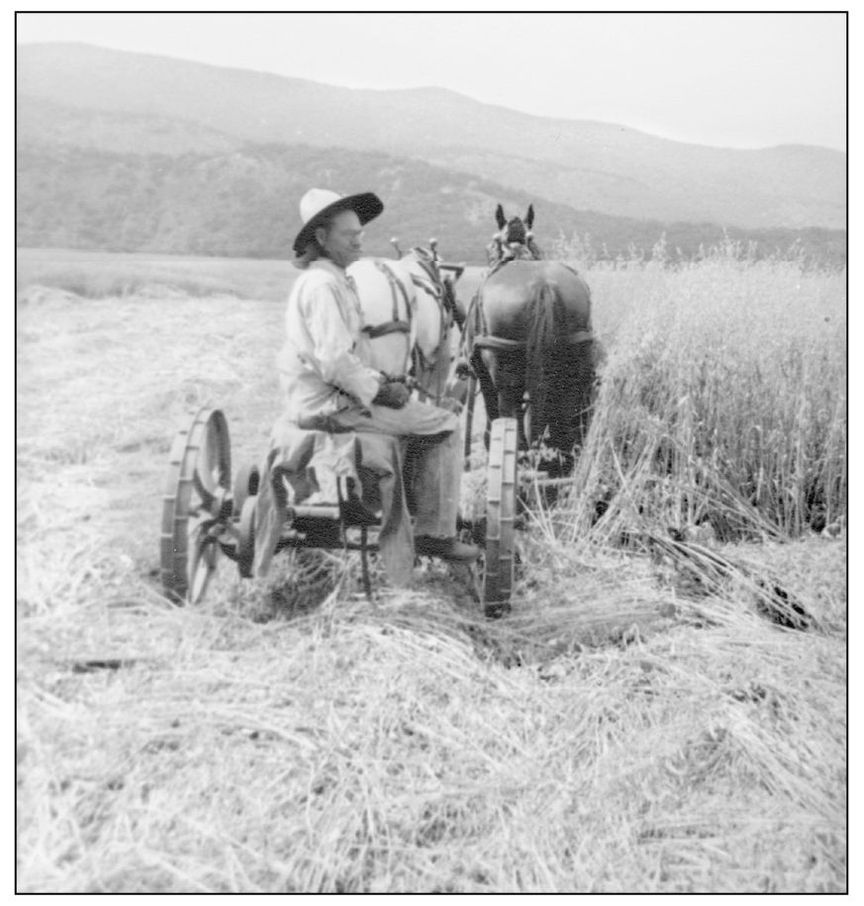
[
  {"x": 514, "y": 238},
  {"x": 515, "y": 229}
]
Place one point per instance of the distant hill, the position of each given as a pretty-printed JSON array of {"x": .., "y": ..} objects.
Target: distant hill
[
  {"x": 52, "y": 124},
  {"x": 584, "y": 165},
  {"x": 243, "y": 202}
]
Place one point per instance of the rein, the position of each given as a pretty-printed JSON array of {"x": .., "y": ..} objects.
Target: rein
[{"x": 490, "y": 341}]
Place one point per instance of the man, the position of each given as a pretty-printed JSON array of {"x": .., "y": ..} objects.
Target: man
[{"x": 329, "y": 386}]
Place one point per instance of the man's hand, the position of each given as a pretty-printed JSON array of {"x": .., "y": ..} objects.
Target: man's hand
[
  {"x": 393, "y": 394},
  {"x": 462, "y": 369},
  {"x": 451, "y": 405}
]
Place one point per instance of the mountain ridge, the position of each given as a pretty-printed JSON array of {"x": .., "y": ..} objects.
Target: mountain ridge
[
  {"x": 585, "y": 164},
  {"x": 243, "y": 202},
  {"x": 419, "y": 89}
]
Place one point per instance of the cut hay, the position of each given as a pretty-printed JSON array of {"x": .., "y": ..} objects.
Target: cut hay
[
  {"x": 635, "y": 724},
  {"x": 415, "y": 747}
]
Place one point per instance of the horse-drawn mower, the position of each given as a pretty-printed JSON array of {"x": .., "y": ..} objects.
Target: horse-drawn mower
[
  {"x": 209, "y": 512},
  {"x": 526, "y": 336}
]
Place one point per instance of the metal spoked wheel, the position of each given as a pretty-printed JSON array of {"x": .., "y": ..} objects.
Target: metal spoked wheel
[
  {"x": 500, "y": 517},
  {"x": 197, "y": 506}
]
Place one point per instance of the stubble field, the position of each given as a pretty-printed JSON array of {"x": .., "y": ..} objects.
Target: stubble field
[{"x": 640, "y": 722}]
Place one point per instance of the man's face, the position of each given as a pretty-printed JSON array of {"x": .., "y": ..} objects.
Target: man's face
[{"x": 342, "y": 241}]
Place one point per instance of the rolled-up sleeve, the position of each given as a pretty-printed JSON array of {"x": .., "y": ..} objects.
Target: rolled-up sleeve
[{"x": 333, "y": 345}]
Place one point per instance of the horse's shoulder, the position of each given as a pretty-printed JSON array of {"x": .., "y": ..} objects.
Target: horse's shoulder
[
  {"x": 560, "y": 270},
  {"x": 373, "y": 270},
  {"x": 513, "y": 272},
  {"x": 520, "y": 279},
  {"x": 553, "y": 266},
  {"x": 369, "y": 265}
]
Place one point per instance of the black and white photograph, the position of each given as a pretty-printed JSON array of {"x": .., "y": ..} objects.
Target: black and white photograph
[{"x": 431, "y": 452}]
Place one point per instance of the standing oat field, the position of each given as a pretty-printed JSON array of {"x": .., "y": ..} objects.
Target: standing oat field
[{"x": 655, "y": 715}]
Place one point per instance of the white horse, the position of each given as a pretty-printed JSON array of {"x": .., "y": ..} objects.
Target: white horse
[{"x": 410, "y": 313}]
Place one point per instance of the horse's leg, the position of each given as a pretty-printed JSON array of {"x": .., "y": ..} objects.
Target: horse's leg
[
  {"x": 508, "y": 375},
  {"x": 510, "y": 406},
  {"x": 484, "y": 363},
  {"x": 570, "y": 407}
]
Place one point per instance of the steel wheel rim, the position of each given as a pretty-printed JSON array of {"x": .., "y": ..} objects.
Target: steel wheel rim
[
  {"x": 500, "y": 516},
  {"x": 194, "y": 507}
]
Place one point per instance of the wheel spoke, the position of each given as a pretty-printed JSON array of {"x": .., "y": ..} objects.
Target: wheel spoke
[
  {"x": 202, "y": 565},
  {"x": 204, "y": 495},
  {"x": 204, "y": 554}
]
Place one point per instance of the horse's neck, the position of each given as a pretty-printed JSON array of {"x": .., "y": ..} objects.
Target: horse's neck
[
  {"x": 514, "y": 251},
  {"x": 428, "y": 311},
  {"x": 430, "y": 324}
]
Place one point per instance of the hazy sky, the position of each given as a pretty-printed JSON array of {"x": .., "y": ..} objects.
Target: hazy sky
[{"x": 731, "y": 79}]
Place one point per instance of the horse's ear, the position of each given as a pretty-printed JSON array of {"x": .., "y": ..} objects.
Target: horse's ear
[
  {"x": 529, "y": 217},
  {"x": 499, "y": 217}
]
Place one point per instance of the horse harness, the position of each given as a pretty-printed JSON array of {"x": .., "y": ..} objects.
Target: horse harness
[
  {"x": 396, "y": 324},
  {"x": 399, "y": 325},
  {"x": 435, "y": 288}
]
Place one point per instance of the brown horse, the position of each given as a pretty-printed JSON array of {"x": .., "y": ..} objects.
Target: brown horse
[{"x": 530, "y": 343}]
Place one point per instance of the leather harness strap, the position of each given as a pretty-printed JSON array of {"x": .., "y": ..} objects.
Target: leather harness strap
[
  {"x": 396, "y": 325},
  {"x": 490, "y": 341},
  {"x": 426, "y": 286},
  {"x": 433, "y": 287},
  {"x": 427, "y": 268}
]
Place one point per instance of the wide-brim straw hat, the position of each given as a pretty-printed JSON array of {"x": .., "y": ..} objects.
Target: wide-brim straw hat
[{"x": 317, "y": 204}]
